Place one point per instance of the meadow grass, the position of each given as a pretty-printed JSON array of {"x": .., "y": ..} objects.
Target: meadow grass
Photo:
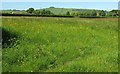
[{"x": 61, "y": 45}]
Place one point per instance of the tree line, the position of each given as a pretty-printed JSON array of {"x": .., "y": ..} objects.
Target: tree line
[
  {"x": 67, "y": 13},
  {"x": 90, "y": 13},
  {"x": 39, "y": 12}
]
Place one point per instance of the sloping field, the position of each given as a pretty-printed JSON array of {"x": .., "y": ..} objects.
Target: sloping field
[{"x": 60, "y": 44}]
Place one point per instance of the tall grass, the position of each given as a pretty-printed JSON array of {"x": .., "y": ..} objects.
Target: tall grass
[{"x": 62, "y": 45}]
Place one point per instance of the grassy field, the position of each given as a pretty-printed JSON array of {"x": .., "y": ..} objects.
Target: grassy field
[{"x": 60, "y": 44}]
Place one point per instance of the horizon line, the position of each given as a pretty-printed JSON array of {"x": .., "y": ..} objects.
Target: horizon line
[{"x": 61, "y": 7}]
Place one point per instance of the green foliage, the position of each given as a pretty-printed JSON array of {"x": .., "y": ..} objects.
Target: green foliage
[
  {"x": 37, "y": 12},
  {"x": 94, "y": 13},
  {"x": 102, "y": 13},
  {"x": 68, "y": 13},
  {"x": 45, "y": 12},
  {"x": 30, "y": 10},
  {"x": 114, "y": 12},
  {"x": 61, "y": 45}
]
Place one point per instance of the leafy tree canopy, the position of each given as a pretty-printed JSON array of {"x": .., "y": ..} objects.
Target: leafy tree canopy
[{"x": 30, "y": 10}]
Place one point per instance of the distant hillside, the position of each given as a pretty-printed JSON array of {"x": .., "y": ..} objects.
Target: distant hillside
[
  {"x": 60, "y": 10},
  {"x": 71, "y": 10},
  {"x": 56, "y": 11},
  {"x": 14, "y": 11}
]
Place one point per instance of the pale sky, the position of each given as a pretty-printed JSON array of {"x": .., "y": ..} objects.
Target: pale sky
[
  {"x": 60, "y": 0},
  {"x": 79, "y": 5}
]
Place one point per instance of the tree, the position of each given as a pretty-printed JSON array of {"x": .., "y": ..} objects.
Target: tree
[
  {"x": 114, "y": 12},
  {"x": 93, "y": 13},
  {"x": 68, "y": 13},
  {"x": 37, "y": 12},
  {"x": 86, "y": 14},
  {"x": 46, "y": 12},
  {"x": 102, "y": 13},
  {"x": 43, "y": 12},
  {"x": 30, "y": 10}
]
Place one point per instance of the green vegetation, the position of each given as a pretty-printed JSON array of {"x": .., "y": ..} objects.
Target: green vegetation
[
  {"x": 40, "y": 44},
  {"x": 65, "y": 12},
  {"x": 68, "y": 13},
  {"x": 13, "y": 12},
  {"x": 30, "y": 10}
]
